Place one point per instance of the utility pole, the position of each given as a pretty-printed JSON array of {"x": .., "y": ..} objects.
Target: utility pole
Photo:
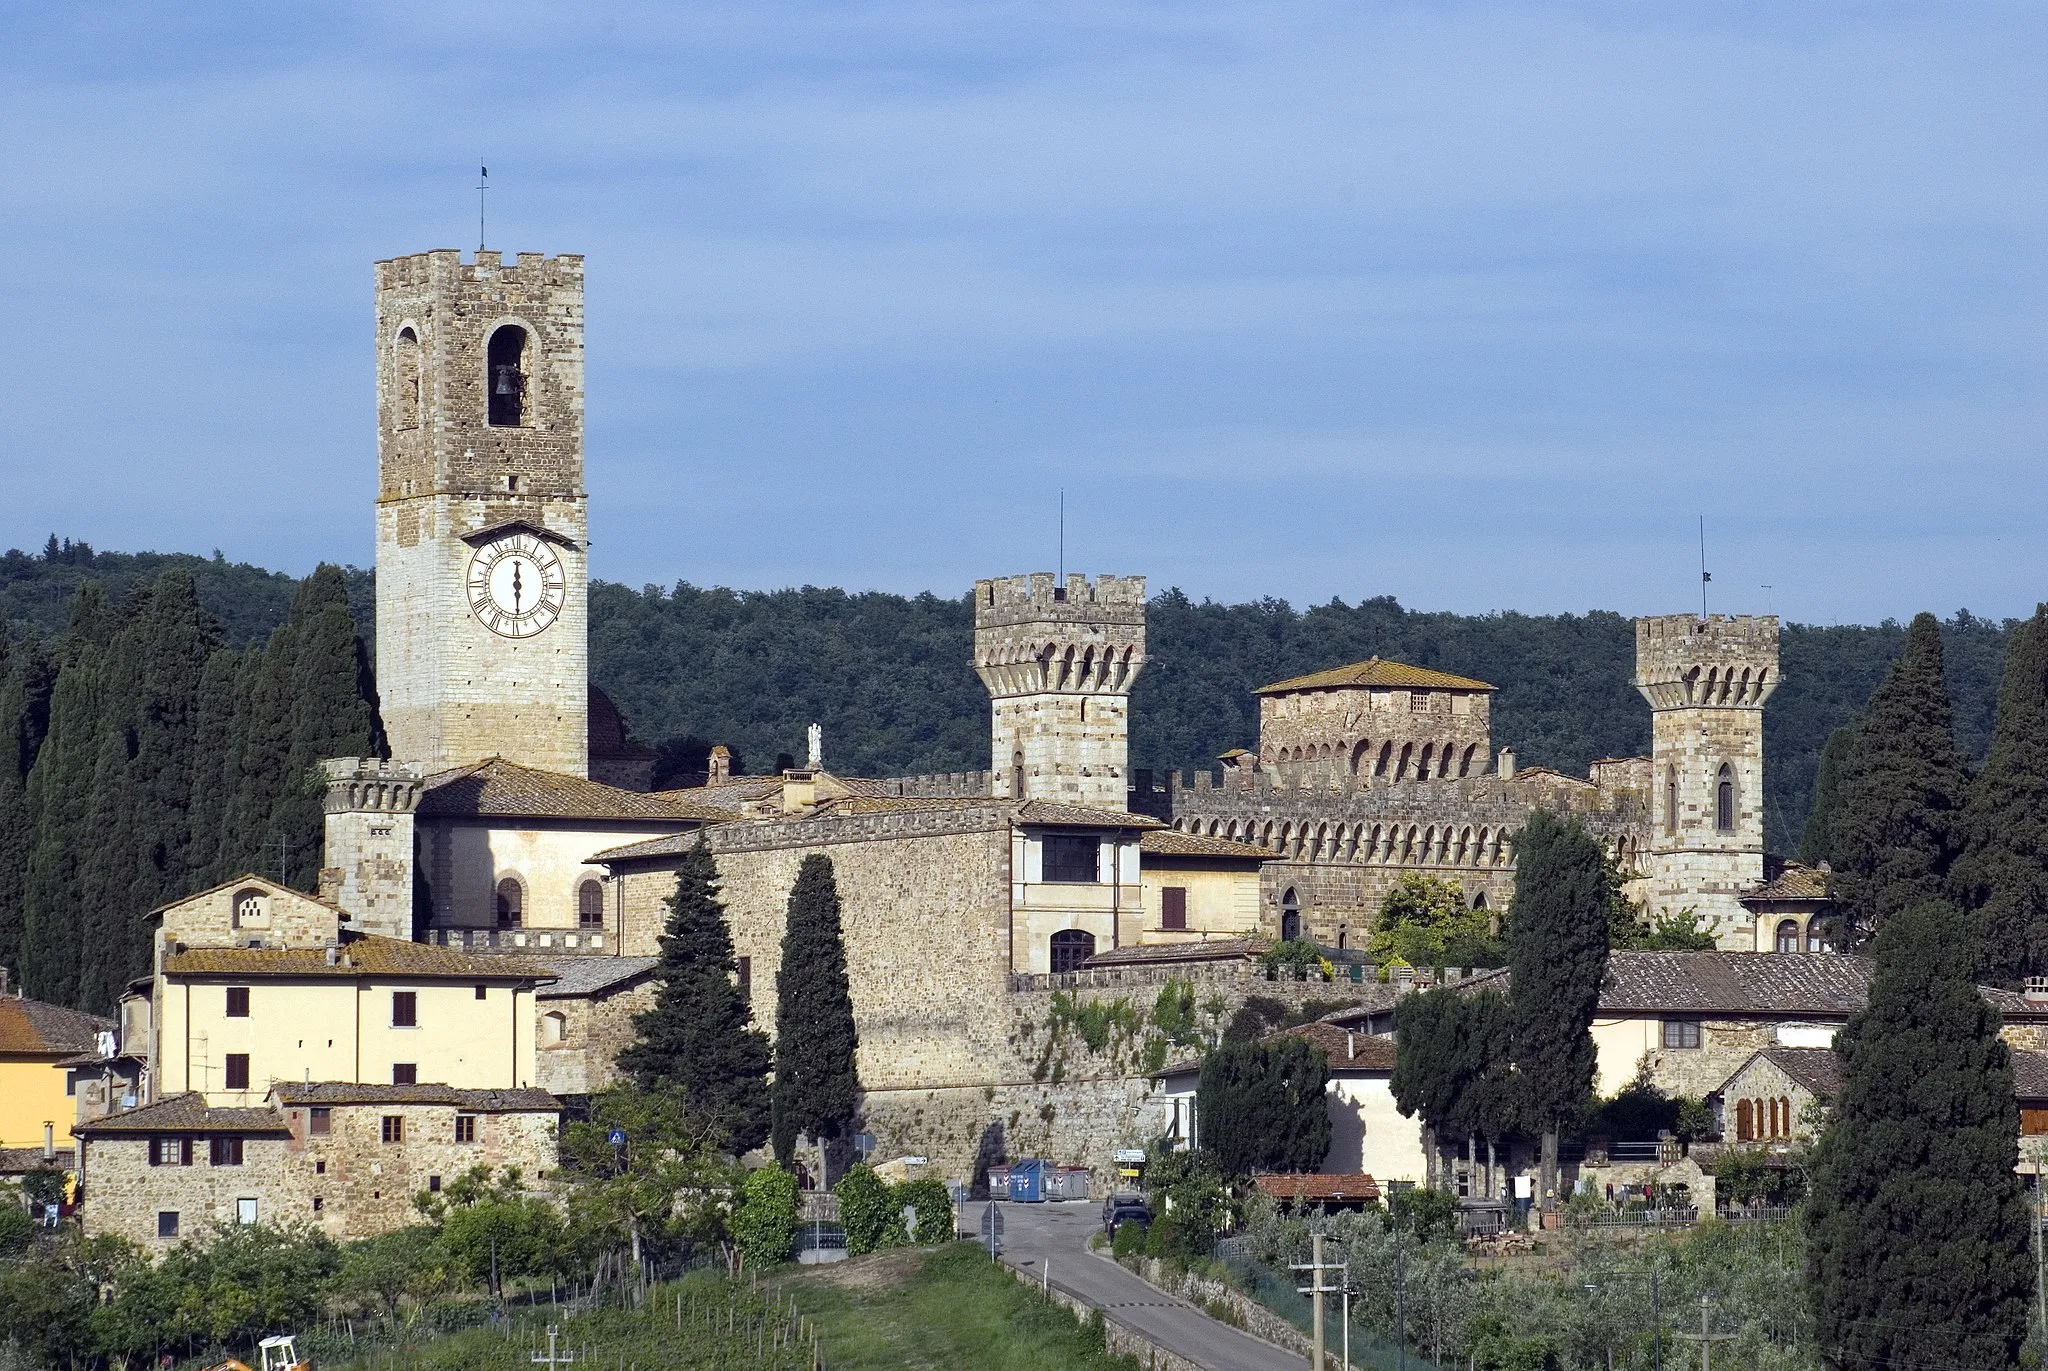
[
  {"x": 2040, "y": 1217},
  {"x": 1706, "y": 1337},
  {"x": 1315, "y": 1290}
]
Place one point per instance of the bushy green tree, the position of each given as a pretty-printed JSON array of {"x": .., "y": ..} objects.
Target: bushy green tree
[
  {"x": 698, "y": 1038},
  {"x": 871, "y": 1215},
  {"x": 1424, "y": 921},
  {"x": 931, "y": 1204},
  {"x": 1896, "y": 826},
  {"x": 1557, "y": 950},
  {"x": 1262, "y": 1105},
  {"x": 1917, "y": 1230},
  {"x": 660, "y": 1184},
  {"x": 817, "y": 1090},
  {"x": 2002, "y": 874},
  {"x": 382, "y": 1275},
  {"x": 492, "y": 1228},
  {"x": 764, "y": 1221}
]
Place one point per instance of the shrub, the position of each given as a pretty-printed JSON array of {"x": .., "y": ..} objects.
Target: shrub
[
  {"x": 867, "y": 1210},
  {"x": 764, "y": 1224},
  {"x": 1425, "y": 1214},
  {"x": 1130, "y": 1240},
  {"x": 932, "y": 1207}
]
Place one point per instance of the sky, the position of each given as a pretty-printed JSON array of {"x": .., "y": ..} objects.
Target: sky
[{"x": 1483, "y": 306}]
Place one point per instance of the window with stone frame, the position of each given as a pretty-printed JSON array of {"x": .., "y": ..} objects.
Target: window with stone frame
[
  {"x": 1073, "y": 859},
  {"x": 394, "y": 1128},
  {"x": 465, "y": 1128},
  {"x": 1681, "y": 1033},
  {"x": 1724, "y": 799},
  {"x": 224, "y": 1149},
  {"x": 590, "y": 905},
  {"x": 319, "y": 1120},
  {"x": 167, "y": 1223},
  {"x": 170, "y": 1152},
  {"x": 505, "y": 376},
  {"x": 1070, "y": 948},
  {"x": 511, "y": 903}
]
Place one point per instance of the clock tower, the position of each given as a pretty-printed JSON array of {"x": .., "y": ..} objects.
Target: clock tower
[{"x": 482, "y": 609}]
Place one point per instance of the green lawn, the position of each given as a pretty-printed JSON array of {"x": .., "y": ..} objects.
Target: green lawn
[{"x": 942, "y": 1308}]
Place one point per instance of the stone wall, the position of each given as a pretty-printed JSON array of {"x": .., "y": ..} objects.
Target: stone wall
[
  {"x": 122, "y": 1194},
  {"x": 247, "y": 910},
  {"x": 369, "y": 842},
  {"x": 1356, "y": 736},
  {"x": 594, "y": 1030}
]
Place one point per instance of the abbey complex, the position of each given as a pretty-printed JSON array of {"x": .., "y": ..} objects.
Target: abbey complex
[{"x": 492, "y": 893}]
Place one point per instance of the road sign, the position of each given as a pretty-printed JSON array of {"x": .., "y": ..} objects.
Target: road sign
[
  {"x": 992, "y": 1228},
  {"x": 1128, "y": 1154},
  {"x": 618, "y": 1137}
]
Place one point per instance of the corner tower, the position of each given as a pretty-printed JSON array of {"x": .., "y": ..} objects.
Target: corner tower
[
  {"x": 481, "y": 513},
  {"x": 1706, "y": 681},
  {"x": 1059, "y": 661}
]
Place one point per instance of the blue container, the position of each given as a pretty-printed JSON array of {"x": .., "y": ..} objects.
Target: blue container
[{"x": 1027, "y": 1181}]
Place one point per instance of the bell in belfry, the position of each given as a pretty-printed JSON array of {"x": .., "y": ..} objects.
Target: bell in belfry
[{"x": 509, "y": 380}]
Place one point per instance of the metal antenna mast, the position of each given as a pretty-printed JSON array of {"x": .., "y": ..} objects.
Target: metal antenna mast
[
  {"x": 1063, "y": 537},
  {"x": 1705, "y": 575},
  {"x": 483, "y": 184}
]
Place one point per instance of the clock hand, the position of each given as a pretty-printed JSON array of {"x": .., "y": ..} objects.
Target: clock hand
[{"x": 515, "y": 588}]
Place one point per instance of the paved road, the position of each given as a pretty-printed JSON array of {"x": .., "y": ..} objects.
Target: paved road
[{"x": 1037, "y": 1233}]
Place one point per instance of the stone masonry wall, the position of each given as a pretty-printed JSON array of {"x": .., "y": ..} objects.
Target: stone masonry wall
[
  {"x": 1356, "y": 736},
  {"x": 595, "y": 1030}
]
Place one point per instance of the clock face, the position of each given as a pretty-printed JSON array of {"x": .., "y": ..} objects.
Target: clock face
[{"x": 516, "y": 585}]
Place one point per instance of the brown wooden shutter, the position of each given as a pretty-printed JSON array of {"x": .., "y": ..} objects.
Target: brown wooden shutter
[{"x": 1173, "y": 907}]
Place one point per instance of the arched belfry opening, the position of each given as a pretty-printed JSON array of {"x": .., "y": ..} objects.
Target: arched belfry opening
[
  {"x": 405, "y": 378},
  {"x": 1724, "y": 799},
  {"x": 505, "y": 375}
]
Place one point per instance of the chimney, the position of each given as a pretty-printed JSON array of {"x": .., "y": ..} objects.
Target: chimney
[
  {"x": 1350, "y": 1045},
  {"x": 2037, "y": 990},
  {"x": 1506, "y": 766},
  {"x": 3, "y": 980},
  {"x": 333, "y": 954},
  {"x": 49, "y": 1142},
  {"x": 719, "y": 768}
]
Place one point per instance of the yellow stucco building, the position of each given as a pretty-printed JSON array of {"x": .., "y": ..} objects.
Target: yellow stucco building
[{"x": 37, "y": 1086}]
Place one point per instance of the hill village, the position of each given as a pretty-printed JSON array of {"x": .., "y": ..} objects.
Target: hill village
[{"x": 493, "y": 893}]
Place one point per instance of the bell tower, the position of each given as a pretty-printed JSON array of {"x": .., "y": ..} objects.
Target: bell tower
[
  {"x": 1059, "y": 661},
  {"x": 1706, "y": 681},
  {"x": 482, "y": 623}
]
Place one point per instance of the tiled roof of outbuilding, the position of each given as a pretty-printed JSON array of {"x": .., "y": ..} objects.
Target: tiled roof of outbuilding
[
  {"x": 576, "y": 977},
  {"x": 1187, "y": 950},
  {"x": 1375, "y": 671},
  {"x": 1171, "y": 842},
  {"x": 294, "y": 1094},
  {"x": 33, "y": 1028},
  {"x": 186, "y": 1113},
  {"x": 495, "y": 787},
  {"x": 362, "y": 955},
  {"x": 1816, "y": 1068},
  {"x": 19, "y": 1161},
  {"x": 1796, "y": 881},
  {"x": 1307, "y": 1185}
]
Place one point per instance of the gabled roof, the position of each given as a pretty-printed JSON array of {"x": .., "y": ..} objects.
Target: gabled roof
[
  {"x": 33, "y": 1028},
  {"x": 1171, "y": 842},
  {"x": 1345, "y": 1050},
  {"x": 496, "y": 788},
  {"x": 576, "y": 977},
  {"x": 478, "y": 537},
  {"x": 247, "y": 878},
  {"x": 187, "y": 1113},
  {"x": 1820, "y": 1070},
  {"x": 1375, "y": 671},
  {"x": 295, "y": 1094},
  {"x": 19, "y": 1161},
  {"x": 360, "y": 955},
  {"x": 1795, "y": 881},
  {"x": 1734, "y": 983},
  {"x": 1315, "y": 1186}
]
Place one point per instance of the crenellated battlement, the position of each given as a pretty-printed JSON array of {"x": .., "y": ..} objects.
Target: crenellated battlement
[
  {"x": 488, "y": 267},
  {"x": 1684, "y": 662},
  {"x": 1039, "y": 598}
]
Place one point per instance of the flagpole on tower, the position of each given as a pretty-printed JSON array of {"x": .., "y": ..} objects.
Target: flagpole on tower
[
  {"x": 1705, "y": 575},
  {"x": 483, "y": 184}
]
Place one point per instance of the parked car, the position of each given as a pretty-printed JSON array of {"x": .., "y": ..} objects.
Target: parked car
[{"x": 1122, "y": 1209}]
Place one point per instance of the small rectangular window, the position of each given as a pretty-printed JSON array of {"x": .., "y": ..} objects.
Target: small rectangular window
[
  {"x": 237, "y": 1071},
  {"x": 405, "y": 1073},
  {"x": 405, "y": 1009},
  {"x": 238, "y": 1002},
  {"x": 433, "y": 1185},
  {"x": 318, "y": 1204},
  {"x": 481, "y": 991},
  {"x": 71, "y": 1083},
  {"x": 245, "y": 1210},
  {"x": 394, "y": 1128},
  {"x": 1073, "y": 860},
  {"x": 1173, "y": 907},
  {"x": 224, "y": 1151},
  {"x": 319, "y": 1119},
  {"x": 320, "y": 1167},
  {"x": 1681, "y": 1033},
  {"x": 170, "y": 1152},
  {"x": 465, "y": 1128},
  {"x": 167, "y": 1223}
]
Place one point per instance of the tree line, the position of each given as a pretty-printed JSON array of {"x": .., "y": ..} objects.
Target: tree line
[{"x": 143, "y": 757}]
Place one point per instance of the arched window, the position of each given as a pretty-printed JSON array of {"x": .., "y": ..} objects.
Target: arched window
[
  {"x": 1017, "y": 774},
  {"x": 1724, "y": 800},
  {"x": 405, "y": 380},
  {"x": 250, "y": 907},
  {"x": 590, "y": 905},
  {"x": 1745, "y": 1122},
  {"x": 1785, "y": 1115},
  {"x": 1788, "y": 935},
  {"x": 1479, "y": 900},
  {"x": 511, "y": 903},
  {"x": 1290, "y": 917},
  {"x": 505, "y": 373},
  {"x": 1070, "y": 948},
  {"x": 554, "y": 1029}
]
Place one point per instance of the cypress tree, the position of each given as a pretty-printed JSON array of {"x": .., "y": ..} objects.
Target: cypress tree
[
  {"x": 699, "y": 1037},
  {"x": 1557, "y": 956},
  {"x": 1817, "y": 839},
  {"x": 1263, "y": 1105},
  {"x": 213, "y": 767},
  {"x": 1453, "y": 1065},
  {"x": 1917, "y": 1242},
  {"x": 333, "y": 713},
  {"x": 816, "y": 1089},
  {"x": 116, "y": 828},
  {"x": 262, "y": 748},
  {"x": 1897, "y": 824},
  {"x": 2002, "y": 874},
  {"x": 24, "y": 717}
]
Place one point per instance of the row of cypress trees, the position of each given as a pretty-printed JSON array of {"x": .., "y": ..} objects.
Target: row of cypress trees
[
  {"x": 141, "y": 760},
  {"x": 1901, "y": 819}
]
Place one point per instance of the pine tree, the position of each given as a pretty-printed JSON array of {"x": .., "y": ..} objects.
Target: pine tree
[
  {"x": 1817, "y": 840},
  {"x": 2002, "y": 874},
  {"x": 1897, "y": 824},
  {"x": 699, "y": 1037},
  {"x": 1557, "y": 955},
  {"x": 24, "y": 717},
  {"x": 816, "y": 1089},
  {"x": 1917, "y": 1231}
]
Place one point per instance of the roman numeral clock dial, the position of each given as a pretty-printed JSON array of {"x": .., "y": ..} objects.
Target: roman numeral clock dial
[{"x": 516, "y": 585}]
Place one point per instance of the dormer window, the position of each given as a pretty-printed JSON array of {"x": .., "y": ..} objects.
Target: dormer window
[{"x": 505, "y": 373}]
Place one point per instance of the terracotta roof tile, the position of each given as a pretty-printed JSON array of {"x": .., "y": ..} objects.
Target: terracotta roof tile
[
  {"x": 362, "y": 955},
  {"x": 1375, "y": 671},
  {"x": 579, "y": 976},
  {"x": 495, "y": 787},
  {"x": 186, "y": 1114},
  {"x": 1317, "y": 1187},
  {"x": 1171, "y": 842},
  {"x": 19, "y": 1161},
  {"x": 294, "y": 1094},
  {"x": 1796, "y": 881},
  {"x": 1816, "y": 1068},
  {"x": 1053, "y": 813},
  {"x": 1346, "y": 1051},
  {"x": 34, "y": 1028},
  {"x": 1188, "y": 950}
]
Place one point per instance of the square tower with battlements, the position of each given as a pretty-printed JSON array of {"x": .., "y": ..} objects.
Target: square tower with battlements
[
  {"x": 1059, "y": 660},
  {"x": 1706, "y": 681},
  {"x": 482, "y": 616}
]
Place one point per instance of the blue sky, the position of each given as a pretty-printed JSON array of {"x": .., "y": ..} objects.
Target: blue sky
[{"x": 1479, "y": 305}]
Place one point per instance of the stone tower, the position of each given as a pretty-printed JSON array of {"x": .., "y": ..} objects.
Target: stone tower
[
  {"x": 1706, "y": 681},
  {"x": 481, "y": 573},
  {"x": 370, "y": 806},
  {"x": 1059, "y": 661}
]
